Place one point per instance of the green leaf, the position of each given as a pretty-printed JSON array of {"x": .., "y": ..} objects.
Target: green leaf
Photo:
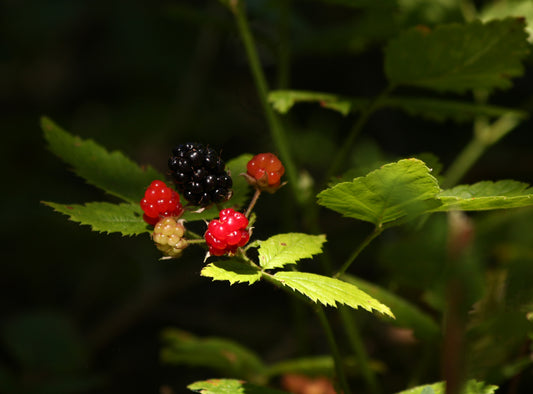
[
  {"x": 471, "y": 387},
  {"x": 105, "y": 217},
  {"x": 486, "y": 195},
  {"x": 428, "y": 107},
  {"x": 317, "y": 365},
  {"x": 283, "y": 249},
  {"x": 514, "y": 8},
  {"x": 394, "y": 191},
  {"x": 241, "y": 190},
  {"x": 284, "y": 100},
  {"x": 458, "y": 57},
  {"x": 441, "y": 109},
  {"x": 110, "y": 171},
  {"x": 407, "y": 315},
  {"x": 226, "y": 357},
  {"x": 330, "y": 291},
  {"x": 230, "y": 386},
  {"x": 232, "y": 271}
]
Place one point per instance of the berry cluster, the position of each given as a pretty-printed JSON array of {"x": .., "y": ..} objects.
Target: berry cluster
[
  {"x": 226, "y": 234},
  {"x": 168, "y": 237},
  {"x": 160, "y": 201},
  {"x": 266, "y": 169},
  {"x": 199, "y": 174}
]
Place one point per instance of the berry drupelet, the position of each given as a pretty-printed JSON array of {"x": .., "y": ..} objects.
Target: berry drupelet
[
  {"x": 264, "y": 171},
  {"x": 199, "y": 174},
  {"x": 226, "y": 234},
  {"x": 168, "y": 237},
  {"x": 160, "y": 201}
]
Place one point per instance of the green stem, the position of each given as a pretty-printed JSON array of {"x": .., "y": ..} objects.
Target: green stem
[
  {"x": 377, "y": 231},
  {"x": 354, "y": 338},
  {"x": 339, "y": 369},
  {"x": 276, "y": 130},
  {"x": 485, "y": 135},
  {"x": 347, "y": 146}
]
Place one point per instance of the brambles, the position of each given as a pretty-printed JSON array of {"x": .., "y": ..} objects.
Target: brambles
[
  {"x": 226, "y": 234},
  {"x": 160, "y": 201},
  {"x": 168, "y": 237},
  {"x": 264, "y": 171},
  {"x": 199, "y": 174}
]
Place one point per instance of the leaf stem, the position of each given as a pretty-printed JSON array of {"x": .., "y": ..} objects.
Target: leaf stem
[
  {"x": 377, "y": 231},
  {"x": 354, "y": 338},
  {"x": 347, "y": 145},
  {"x": 485, "y": 135},
  {"x": 257, "y": 193},
  {"x": 339, "y": 370},
  {"x": 276, "y": 130}
]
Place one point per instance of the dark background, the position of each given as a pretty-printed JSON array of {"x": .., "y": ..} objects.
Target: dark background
[{"x": 141, "y": 77}]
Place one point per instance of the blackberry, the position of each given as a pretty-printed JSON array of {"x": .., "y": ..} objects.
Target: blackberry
[{"x": 199, "y": 175}]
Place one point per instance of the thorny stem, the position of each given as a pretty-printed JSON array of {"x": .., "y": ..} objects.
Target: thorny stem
[
  {"x": 377, "y": 231},
  {"x": 276, "y": 130}
]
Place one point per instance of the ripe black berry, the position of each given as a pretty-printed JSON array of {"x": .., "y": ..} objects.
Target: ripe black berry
[{"x": 199, "y": 175}]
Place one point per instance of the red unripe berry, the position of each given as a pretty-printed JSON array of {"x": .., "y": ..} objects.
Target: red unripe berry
[
  {"x": 226, "y": 234},
  {"x": 266, "y": 169},
  {"x": 160, "y": 201}
]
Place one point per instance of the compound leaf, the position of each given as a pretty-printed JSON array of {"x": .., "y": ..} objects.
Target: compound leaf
[
  {"x": 283, "y": 249},
  {"x": 110, "y": 171},
  {"x": 105, "y": 217},
  {"x": 232, "y": 271},
  {"x": 226, "y": 357},
  {"x": 486, "y": 195},
  {"x": 330, "y": 291},
  {"x": 394, "y": 191},
  {"x": 230, "y": 386},
  {"x": 458, "y": 57}
]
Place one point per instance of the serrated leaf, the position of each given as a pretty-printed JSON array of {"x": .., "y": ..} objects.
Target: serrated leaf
[
  {"x": 232, "y": 271},
  {"x": 110, "y": 171},
  {"x": 486, "y": 195},
  {"x": 407, "y": 314},
  {"x": 283, "y": 249},
  {"x": 226, "y": 357},
  {"x": 230, "y": 386},
  {"x": 105, "y": 217},
  {"x": 441, "y": 109},
  {"x": 240, "y": 188},
  {"x": 471, "y": 387},
  {"x": 284, "y": 100},
  {"x": 394, "y": 191},
  {"x": 458, "y": 57},
  {"x": 330, "y": 291},
  {"x": 514, "y": 8}
]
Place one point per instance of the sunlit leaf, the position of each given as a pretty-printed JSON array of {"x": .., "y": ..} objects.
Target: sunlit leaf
[
  {"x": 233, "y": 271},
  {"x": 283, "y": 249},
  {"x": 487, "y": 195},
  {"x": 330, "y": 291},
  {"x": 394, "y": 191},
  {"x": 230, "y": 386},
  {"x": 471, "y": 387}
]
